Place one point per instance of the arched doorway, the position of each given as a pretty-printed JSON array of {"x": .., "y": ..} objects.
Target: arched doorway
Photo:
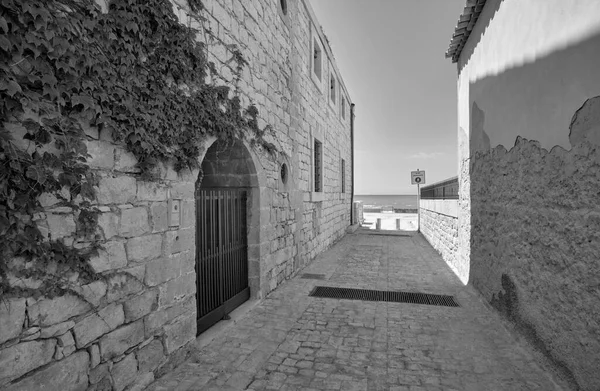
[{"x": 224, "y": 198}]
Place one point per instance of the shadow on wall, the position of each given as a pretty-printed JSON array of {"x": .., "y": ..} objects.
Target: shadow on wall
[{"x": 535, "y": 214}]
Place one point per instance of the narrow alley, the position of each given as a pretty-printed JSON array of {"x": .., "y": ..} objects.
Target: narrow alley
[{"x": 291, "y": 341}]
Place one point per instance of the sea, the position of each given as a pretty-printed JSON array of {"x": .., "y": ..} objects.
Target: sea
[{"x": 399, "y": 201}]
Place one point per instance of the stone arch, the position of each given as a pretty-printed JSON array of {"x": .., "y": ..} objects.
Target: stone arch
[{"x": 230, "y": 163}]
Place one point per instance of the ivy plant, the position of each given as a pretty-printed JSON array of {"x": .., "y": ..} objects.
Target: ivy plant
[{"x": 68, "y": 72}]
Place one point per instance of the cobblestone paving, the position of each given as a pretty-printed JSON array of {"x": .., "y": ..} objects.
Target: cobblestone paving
[{"x": 291, "y": 341}]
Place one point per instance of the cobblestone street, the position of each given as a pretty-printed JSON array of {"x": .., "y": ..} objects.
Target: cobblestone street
[{"x": 291, "y": 341}]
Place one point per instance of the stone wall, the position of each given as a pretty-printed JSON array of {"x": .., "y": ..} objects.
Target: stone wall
[
  {"x": 439, "y": 225},
  {"x": 116, "y": 331},
  {"x": 529, "y": 126},
  {"x": 120, "y": 331}
]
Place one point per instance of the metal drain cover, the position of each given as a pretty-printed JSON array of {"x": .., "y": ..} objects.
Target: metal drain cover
[
  {"x": 389, "y": 296},
  {"x": 313, "y": 276}
]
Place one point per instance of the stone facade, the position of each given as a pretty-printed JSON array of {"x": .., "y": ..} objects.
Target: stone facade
[
  {"x": 440, "y": 228},
  {"x": 119, "y": 331},
  {"x": 529, "y": 144}
]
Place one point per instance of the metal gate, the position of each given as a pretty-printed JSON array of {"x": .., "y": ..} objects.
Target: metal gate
[{"x": 221, "y": 254}]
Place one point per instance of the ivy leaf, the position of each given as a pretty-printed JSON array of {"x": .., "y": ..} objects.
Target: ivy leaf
[
  {"x": 85, "y": 100},
  {"x": 4, "y": 42},
  {"x": 36, "y": 174},
  {"x": 11, "y": 87},
  {"x": 3, "y": 25}
]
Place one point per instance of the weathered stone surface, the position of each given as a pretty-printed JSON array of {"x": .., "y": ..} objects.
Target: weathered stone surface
[
  {"x": 142, "y": 381},
  {"x": 177, "y": 288},
  {"x": 134, "y": 222},
  {"x": 124, "y": 372},
  {"x": 179, "y": 333},
  {"x": 60, "y": 225},
  {"x": 94, "y": 292},
  {"x": 144, "y": 247},
  {"x": 99, "y": 373},
  {"x": 12, "y": 315},
  {"x": 118, "y": 341},
  {"x": 94, "y": 326},
  {"x": 161, "y": 270},
  {"x": 585, "y": 124},
  {"x": 156, "y": 320},
  {"x": 17, "y": 360},
  {"x": 116, "y": 190},
  {"x": 94, "y": 352},
  {"x": 57, "y": 329},
  {"x": 66, "y": 339},
  {"x": 111, "y": 257},
  {"x": 121, "y": 286},
  {"x": 151, "y": 356},
  {"x": 30, "y": 334},
  {"x": 102, "y": 154},
  {"x": 125, "y": 161},
  {"x": 69, "y": 374},
  {"x": 109, "y": 223},
  {"x": 47, "y": 312},
  {"x": 141, "y": 305},
  {"x": 159, "y": 214},
  {"x": 151, "y": 191}
]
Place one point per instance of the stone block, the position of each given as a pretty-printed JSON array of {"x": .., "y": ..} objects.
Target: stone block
[
  {"x": 110, "y": 257},
  {"x": 94, "y": 292},
  {"x": 151, "y": 191},
  {"x": 156, "y": 320},
  {"x": 159, "y": 215},
  {"x": 66, "y": 339},
  {"x": 116, "y": 190},
  {"x": 140, "y": 306},
  {"x": 60, "y": 225},
  {"x": 125, "y": 161},
  {"x": 121, "y": 286},
  {"x": 94, "y": 352},
  {"x": 144, "y": 247},
  {"x": 188, "y": 214},
  {"x": 47, "y": 312},
  {"x": 57, "y": 329},
  {"x": 124, "y": 372},
  {"x": 178, "y": 241},
  {"x": 96, "y": 325},
  {"x": 151, "y": 356},
  {"x": 161, "y": 270},
  {"x": 177, "y": 288},
  {"x": 142, "y": 382},
  {"x": 183, "y": 190},
  {"x": 12, "y": 315},
  {"x": 134, "y": 222},
  {"x": 99, "y": 373},
  {"x": 17, "y": 360},
  {"x": 117, "y": 342},
  {"x": 69, "y": 374},
  {"x": 102, "y": 154},
  {"x": 109, "y": 224},
  {"x": 179, "y": 333}
]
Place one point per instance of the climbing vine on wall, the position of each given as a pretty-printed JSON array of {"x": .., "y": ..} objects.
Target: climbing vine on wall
[{"x": 68, "y": 70}]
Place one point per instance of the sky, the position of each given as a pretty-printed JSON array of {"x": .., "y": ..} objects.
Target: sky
[{"x": 390, "y": 54}]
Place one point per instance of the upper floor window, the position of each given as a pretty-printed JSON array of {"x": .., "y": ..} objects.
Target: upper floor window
[
  {"x": 317, "y": 59},
  {"x": 343, "y": 109},
  {"x": 332, "y": 88}
]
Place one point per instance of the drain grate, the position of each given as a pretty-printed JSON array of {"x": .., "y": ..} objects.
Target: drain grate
[
  {"x": 313, "y": 276},
  {"x": 389, "y": 296}
]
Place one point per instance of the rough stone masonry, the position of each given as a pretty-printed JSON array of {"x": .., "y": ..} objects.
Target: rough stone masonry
[{"x": 119, "y": 333}]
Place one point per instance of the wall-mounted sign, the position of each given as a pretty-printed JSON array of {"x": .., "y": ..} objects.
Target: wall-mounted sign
[
  {"x": 417, "y": 177},
  {"x": 174, "y": 212}
]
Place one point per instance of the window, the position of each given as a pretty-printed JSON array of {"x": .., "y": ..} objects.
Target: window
[
  {"x": 317, "y": 59},
  {"x": 343, "y": 172},
  {"x": 332, "y": 86},
  {"x": 283, "y": 5},
  {"x": 318, "y": 166},
  {"x": 343, "y": 109}
]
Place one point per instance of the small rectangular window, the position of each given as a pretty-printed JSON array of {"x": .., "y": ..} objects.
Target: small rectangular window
[
  {"x": 343, "y": 173},
  {"x": 332, "y": 87},
  {"x": 317, "y": 59},
  {"x": 343, "y": 110},
  {"x": 318, "y": 156}
]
